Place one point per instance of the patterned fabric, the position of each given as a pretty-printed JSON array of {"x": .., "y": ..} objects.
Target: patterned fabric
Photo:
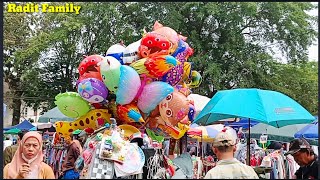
[{"x": 101, "y": 169}]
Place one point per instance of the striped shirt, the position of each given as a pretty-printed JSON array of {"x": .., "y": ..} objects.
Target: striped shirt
[{"x": 231, "y": 169}]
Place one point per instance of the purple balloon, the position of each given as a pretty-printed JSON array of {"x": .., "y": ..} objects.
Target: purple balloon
[
  {"x": 92, "y": 90},
  {"x": 174, "y": 76}
]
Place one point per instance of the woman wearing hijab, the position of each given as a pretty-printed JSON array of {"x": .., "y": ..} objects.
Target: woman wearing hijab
[{"x": 27, "y": 162}]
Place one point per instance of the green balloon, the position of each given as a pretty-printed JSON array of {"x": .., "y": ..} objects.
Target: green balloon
[
  {"x": 72, "y": 104},
  {"x": 110, "y": 72}
]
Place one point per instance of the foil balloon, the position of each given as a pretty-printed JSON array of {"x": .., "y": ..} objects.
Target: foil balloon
[
  {"x": 94, "y": 119},
  {"x": 196, "y": 79},
  {"x": 129, "y": 85},
  {"x": 157, "y": 125},
  {"x": 129, "y": 113},
  {"x": 71, "y": 104},
  {"x": 169, "y": 33},
  {"x": 116, "y": 51},
  {"x": 181, "y": 47},
  {"x": 92, "y": 90},
  {"x": 154, "y": 43},
  {"x": 176, "y": 108},
  {"x": 174, "y": 75},
  {"x": 155, "y": 66},
  {"x": 110, "y": 72},
  {"x": 130, "y": 53},
  {"x": 182, "y": 54},
  {"x": 187, "y": 71},
  {"x": 89, "y": 63},
  {"x": 152, "y": 94},
  {"x": 90, "y": 74}
]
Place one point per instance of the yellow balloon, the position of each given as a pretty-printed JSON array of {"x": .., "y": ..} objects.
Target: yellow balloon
[{"x": 94, "y": 119}]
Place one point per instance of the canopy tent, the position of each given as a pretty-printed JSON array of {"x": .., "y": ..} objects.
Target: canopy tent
[
  {"x": 24, "y": 125},
  {"x": 53, "y": 115},
  {"x": 283, "y": 134}
]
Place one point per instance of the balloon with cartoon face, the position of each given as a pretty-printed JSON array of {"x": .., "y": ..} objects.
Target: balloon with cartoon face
[
  {"x": 71, "y": 104},
  {"x": 92, "y": 90},
  {"x": 89, "y": 64},
  {"x": 110, "y": 72},
  {"x": 176, "y": 108}
]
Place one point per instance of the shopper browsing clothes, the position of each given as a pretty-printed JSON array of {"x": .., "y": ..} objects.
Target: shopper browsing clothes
[
  {"x": 27, "y": 162},
  {"x": 305, "y": 157},
  {"x": 228, "y": 167},
  {"x": 73, "y": 152}
]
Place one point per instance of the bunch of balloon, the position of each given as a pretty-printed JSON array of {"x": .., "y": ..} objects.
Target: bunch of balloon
[{"x": 144, "y": 84}]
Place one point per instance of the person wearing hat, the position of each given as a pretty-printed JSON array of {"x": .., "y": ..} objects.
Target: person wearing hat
[
  {"x": 228, "y": 167},
  {"x": 305, "y": 157}
]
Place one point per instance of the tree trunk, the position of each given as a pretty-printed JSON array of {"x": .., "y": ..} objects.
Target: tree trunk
[{"x": 16, "y": 104}]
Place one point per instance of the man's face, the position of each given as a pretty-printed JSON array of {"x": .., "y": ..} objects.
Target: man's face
[{"x": 302, "y": 158}]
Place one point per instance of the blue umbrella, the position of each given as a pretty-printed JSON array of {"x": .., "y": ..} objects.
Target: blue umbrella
[
  {"x": 309, "y": 132},
  {"x": 265, "y": 106},
  {"x": 244, "y": 123}
]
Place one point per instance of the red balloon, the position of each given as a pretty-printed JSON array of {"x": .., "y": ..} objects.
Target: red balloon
[
  {"x": 91, "y": 74},
  {"x": 90, "y": 63}
]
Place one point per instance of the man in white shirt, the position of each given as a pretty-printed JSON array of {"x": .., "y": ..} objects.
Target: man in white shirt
[{"x": 228, "y": 167}]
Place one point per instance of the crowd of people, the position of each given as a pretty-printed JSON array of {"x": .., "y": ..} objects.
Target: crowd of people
[{"x": 25, "y": 159}]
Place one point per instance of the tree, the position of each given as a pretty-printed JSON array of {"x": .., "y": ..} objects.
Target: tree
[
  {"x": 20, "y": 56},
  {"x": 299, "y": 82},
  {"x": 71, "y": 36},
  {"x": 233, "y": 42}
]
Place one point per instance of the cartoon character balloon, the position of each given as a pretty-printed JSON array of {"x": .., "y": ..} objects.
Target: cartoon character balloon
[
  {"x": 71, "y": 104},
  {"x": 92, "y": 90},
  {"x": 155, "y": 66},
  {"x": 173, "y": 115},
  {"x": 154, "y": 43},
  {"x": 110, "y": 72},
  {"x": 131, "y": 53},
  {"x": 169, "y": 33},
  {"x": 176, "y": 107},
  {"x": 89, "y": 63},
  {"x": 94, "y": 119}
]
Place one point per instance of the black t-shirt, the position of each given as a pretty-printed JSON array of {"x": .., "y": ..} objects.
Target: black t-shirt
[{"x": 308, "y": 172}]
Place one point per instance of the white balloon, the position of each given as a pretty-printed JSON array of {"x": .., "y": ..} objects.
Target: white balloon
[
  {"x": 130, "y": 54},
  {"x": 116, "y": 48}
]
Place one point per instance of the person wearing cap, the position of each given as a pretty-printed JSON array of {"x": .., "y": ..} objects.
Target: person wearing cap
[
  {"x": 305, "y": 157},
  {"x": 228, "y": 167}
]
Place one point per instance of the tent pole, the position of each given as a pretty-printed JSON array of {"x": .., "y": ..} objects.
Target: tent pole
[{"x": 248, "y": 146}]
